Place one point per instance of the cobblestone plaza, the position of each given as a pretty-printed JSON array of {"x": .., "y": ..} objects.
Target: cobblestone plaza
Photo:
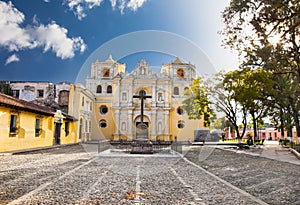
[{"x": 203, "y": 175}]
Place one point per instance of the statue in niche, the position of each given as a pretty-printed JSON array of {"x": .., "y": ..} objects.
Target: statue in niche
[
  {"x": 106, "y": 72},
  {"x": 180, "y": 73}
]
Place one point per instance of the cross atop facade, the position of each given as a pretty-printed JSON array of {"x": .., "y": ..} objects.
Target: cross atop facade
[{"x": 142, "y": 95}]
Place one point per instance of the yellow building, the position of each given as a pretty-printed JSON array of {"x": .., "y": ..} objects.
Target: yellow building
[
  {"x": 117, "y": 113},
  {"x": 81, "y": 105},
  {"x": 25, "y": 125}
]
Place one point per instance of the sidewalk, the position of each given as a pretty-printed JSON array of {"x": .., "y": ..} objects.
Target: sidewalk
[
  {"x": 272, "y": 150},
  {"x": 35, "y": 149}
]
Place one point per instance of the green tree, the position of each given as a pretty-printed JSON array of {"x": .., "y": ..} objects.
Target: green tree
[
  {"x": 266, "y": 34},
  {"x": 252, "y": 91},
  {"x": 223, "y": 98},
  {"x": 197, "y": 103},
  {"x": 219, "y": 123}
]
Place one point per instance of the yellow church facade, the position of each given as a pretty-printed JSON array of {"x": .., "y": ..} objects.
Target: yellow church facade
[
  {"x": 117, "y": 113},
  {"x": 107, "y": 107}
]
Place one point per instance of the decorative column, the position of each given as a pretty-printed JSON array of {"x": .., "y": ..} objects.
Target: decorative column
[
  {"x": 130, "y": 125},
  {"x": 130, "y": 95},
  {"x": 117, "y": 94},
  {"x": 167, "y": 124},
  {"x": 153, "y": 125},
  {"x": 153, "y": 95},
  {"x": 117, "y": 124},
  {"x": 167, "y": 95}
]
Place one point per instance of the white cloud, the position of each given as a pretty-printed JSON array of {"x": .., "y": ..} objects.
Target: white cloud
[
  {"x": 79, "y": 7},
  {"x": 113, "y": 3},
  {"x": 14, "y": 37},
  {"x": 12, "y": 58},
  {"x": 135, "y": 4},
  {"x": 54, "y": 37}
]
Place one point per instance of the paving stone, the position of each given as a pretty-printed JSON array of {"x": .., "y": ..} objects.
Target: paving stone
[{"x": 69, "y": 175}]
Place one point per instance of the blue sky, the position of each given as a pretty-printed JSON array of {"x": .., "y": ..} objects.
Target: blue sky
[{"x": 49, "y": 40}]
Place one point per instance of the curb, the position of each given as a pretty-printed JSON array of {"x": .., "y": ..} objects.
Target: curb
[
  {"x": 35, "y": 149},
  {"x": 297, "y": 154}
]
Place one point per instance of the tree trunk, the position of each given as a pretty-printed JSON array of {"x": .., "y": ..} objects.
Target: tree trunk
[
  {"x": 281, "y": 124},
  {"x": 296, "y": 120},
  {"x": 254, "y": 124}
]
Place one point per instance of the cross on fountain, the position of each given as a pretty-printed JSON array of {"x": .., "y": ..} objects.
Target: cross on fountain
[
  {"x": 142, "y": 145},
  {"x": 142, "y": 95}
]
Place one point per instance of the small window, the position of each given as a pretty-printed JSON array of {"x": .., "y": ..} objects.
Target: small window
[
  {"x": 180, "y": 124},
  {"x": 67, "y": 128},
  {"x": 180, "y": 111},
  {"x": 109, "y": 89},
  {"x": 102, "y": 124},
  {"x": 86, "y": 128},
  {"x": 82, "y": 102},
  {"x": 63, "y": 97},
  {"x": 124, "y": 96},
  {"x": 40, "y": 93},
  {"x": 99, "y": 89},
  {"x": 37, "y": 126},
  {"x": 103, "y": 109},
  {"x": 123, "y": 127},
  {"x": 13, "y": 124},
  {"x": 16, "y": 93},
  {"x": 176, "y": 91}
]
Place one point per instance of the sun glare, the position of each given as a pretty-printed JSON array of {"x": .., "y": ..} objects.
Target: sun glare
[{"x": 274, "y": 39}]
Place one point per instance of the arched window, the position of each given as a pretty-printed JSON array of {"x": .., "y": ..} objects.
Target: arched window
[
  {"x": 180, "y": 111},
  {"x": 180, "y": 124},
  {"x": 109, "y": 89},
  {"x": 176, "y": 91},
  {"x": 142, "y": 93},
  {"x": 102, "y": 123},
  {"x": 99, "y": 89},
  {"x": 180, "y": 73}
]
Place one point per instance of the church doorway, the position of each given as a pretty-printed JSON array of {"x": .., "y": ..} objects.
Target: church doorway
[{"x": 142, "y": 129}]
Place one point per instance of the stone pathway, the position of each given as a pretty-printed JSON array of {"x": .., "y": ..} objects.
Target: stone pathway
[
  {"x": 69, "y": 175},
  {"x": 273, "y": 181}
]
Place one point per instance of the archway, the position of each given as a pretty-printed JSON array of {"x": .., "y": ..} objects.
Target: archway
[{"x": 142, "y": 129}]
